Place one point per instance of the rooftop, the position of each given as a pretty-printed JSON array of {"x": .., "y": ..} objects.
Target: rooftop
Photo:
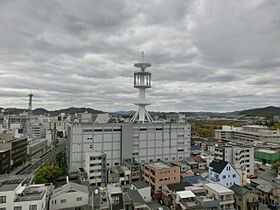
[
  {"x": 140, "y": 184},
  {"x": 239, "y": 190},
  {"x": 180, "y": 186},
  {"x": 267, "y": 151},
  {"x": 218, "y": 188},
  {"x": 159, "y": 165},
  {"x": 186, "y": 194},
  {"x": 114, "y": 188},
  {"x": 70, "y": 186},
  {"x": 8, "y": 187},
  {"x": 218, "y": 165}
]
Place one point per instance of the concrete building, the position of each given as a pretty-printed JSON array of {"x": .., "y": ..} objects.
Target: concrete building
[
  {"x": 70, "y": 196},
  {"x": 18, "y": 197},
  {"x": 18, "y": 148},
  {"x": 160, "y": 173},
  {"x": 249, "y": 133},
  {"x": 223, "y": 195},
  {"x": 143, "y": 188},
  {"x": 96, "y": 168},
  {"x": 223, "y": 173},
  {"x": 37, "y": 147},
  {"x": 238, "y": 156},
  {"x": 120, "y": 175},
  {"x": 267, "y": 156},
  {"x": 144, "y": 142},
  {"x": 135, "y": 169},
  {"x": 5, "y": 161},
  {"x": 244, "y": 199}
]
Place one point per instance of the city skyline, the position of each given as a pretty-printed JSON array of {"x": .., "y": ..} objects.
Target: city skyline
[{"x": 218, "y": 57}]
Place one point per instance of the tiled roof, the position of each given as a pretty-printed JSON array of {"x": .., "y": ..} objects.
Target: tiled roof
[
  {"x": 239, "y": 190},
  {"x": 140, "y": 184},
  {"x": 218, "y": 165}
]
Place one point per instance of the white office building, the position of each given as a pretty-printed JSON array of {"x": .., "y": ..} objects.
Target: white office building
[
  {"x": 248, "y": 134},
  {"x": 145, "y": 142},
  {"x": 240, "y": 157}
]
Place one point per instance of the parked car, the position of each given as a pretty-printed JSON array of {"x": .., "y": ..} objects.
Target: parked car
[
  {"x": 272, "y": 206},
  {"x": 253, "y": 177}
]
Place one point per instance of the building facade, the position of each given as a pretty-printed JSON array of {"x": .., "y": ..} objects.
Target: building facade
[
  {"x": 144, "y": 142},
  {"x": 267, "y": 156},
  {"x": 223, "y": 173},
  {"x": 96, "y": 168},
  {"x": 5, "y": 161},
  {"x": 238, "y": 156},
  {"x": 160, "y": 173}
]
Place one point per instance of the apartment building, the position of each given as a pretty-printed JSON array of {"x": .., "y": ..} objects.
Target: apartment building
[
  {"x": 18, "y": 148},
  {"x": 248, "y": 133},
  {"x": 18, "y": 197},
  {"x": 238, "y": 156},
  {"x": 160, "y": 173},
  {"x": 135, "y": 168},
  {"x": 223, "y": 173},
  {"x": 5, "y": 161},
  {"x": 96, "y": 168},
  {"x": 146, "y": 142},
  {"x": 223, "y": 195}
]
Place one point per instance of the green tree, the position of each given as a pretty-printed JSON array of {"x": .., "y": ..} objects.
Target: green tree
[
  {"x": 61, "y": 162},
  {"x": 48, "y": 174}
]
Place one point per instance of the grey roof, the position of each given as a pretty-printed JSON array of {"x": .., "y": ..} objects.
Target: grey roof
[
  {"x": 218, "y": 165},
  {"x": 8, "y": 187},
  {"x": 70, "y": 186},
  {"x": 180, "y": 186},
  {"x": 135, "y": 196},
  {"x": 140, "y": 184},
  {"x": 239, "y": 190}
]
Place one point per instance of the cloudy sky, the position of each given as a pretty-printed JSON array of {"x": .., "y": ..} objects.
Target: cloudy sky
[{"x": 205, "y": 55}]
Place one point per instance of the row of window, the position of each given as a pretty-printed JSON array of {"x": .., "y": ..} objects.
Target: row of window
[
  {"x": 64, "y": 200},
  {"x": 31, "y": 207}
]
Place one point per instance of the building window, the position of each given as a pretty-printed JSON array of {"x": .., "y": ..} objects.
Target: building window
[
  {"x": 33, "y": 207},
  {"x": 17, "y": 208},
  {"x": 63, "y": 201},
  {"x": 234, "y": 175},
  {"x": 3, "y": 208},
  {"x": 224, "y": 177},
  {"x": 2, "y": 199},
  {"x": 79, "y": 199}
]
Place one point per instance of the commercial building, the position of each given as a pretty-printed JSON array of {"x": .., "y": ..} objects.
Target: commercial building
[
  {"x": 267, "y": 156},
  {"x": 144, "y": 142},
  {"x": 161, "y": 173},
  {"x": 18, "y": 197},
  {"x": 249, "y": 133},
  {"x": 96, "y": 168},
  {"x": 223, "y": 173},
  {"x": 18, "y": 148},
  {"x": 244, "y": 199},
  {"x": 5, "y": 161},
  {"x": 238, "y": 156},
  {"x": 223, "y": 195},
  {"x": 141, "y": 138}
]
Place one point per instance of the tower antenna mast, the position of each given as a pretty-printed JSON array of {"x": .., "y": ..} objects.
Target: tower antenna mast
[{"x": 142, "y": 81}]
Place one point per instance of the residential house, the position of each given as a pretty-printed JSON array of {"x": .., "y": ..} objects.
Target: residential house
[
  {"x": 244, "y": 199},
  {"x": 143, "y": 188},
  {"x": 223, "y": 195},
  {"x": 70, "y": 196},
  {"x": 223, "y": 173}
]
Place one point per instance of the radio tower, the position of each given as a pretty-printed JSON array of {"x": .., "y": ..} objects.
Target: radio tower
[
  {"x": 29, "y": 113},
  {"x": 142, "y": 81}
]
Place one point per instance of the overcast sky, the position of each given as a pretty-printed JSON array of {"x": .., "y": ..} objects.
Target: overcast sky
[{"x": 205, "y": 55}]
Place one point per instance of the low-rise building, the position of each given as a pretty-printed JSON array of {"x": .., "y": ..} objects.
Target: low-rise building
[
  {"x": 18, "y": 197},
  {"x": 135, "y": 168},
  {"x": 96, "y": 168},
  {"x": 244, "y": 198},
  {"x": 267, "y": 156},
  {"x": 223, "y": 195},
  {"x": 160, "y": 173},
  {"x": 143, "y": 188},
  {"x": 70, "y": 196},
  {"x": 223, "y": 173}
]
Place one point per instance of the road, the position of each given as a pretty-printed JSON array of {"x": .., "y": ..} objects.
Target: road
[{"x": 37, "y": 165}]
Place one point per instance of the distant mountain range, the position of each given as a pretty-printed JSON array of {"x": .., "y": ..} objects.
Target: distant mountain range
[
  {"x": 266, "y": 111},
  {"x": 42, "y": 111}
]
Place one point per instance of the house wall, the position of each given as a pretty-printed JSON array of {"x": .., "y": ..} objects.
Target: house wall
[{"x": 71, "y": 200}]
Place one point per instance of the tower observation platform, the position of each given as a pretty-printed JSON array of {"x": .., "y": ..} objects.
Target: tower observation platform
[{"x": 142, "y": 81}]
